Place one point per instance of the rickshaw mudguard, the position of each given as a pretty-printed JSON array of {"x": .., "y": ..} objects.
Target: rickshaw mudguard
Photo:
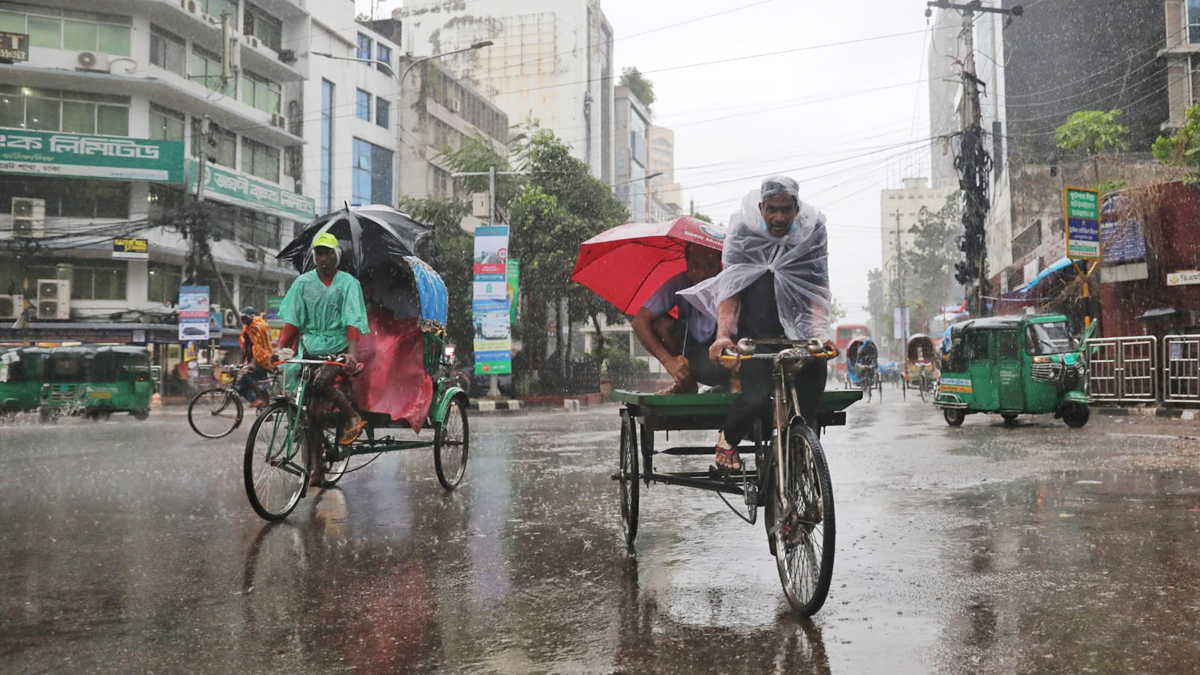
[
  {"x": 1075, "y": 396},
  {"x": 438, "y": 413}
]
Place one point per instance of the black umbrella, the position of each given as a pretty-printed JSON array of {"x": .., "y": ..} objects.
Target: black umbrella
[{"x": 375, "y": 233}]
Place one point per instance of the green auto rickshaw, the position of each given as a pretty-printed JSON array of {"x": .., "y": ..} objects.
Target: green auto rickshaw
[
  {"x": 1014, "y": 365},
  {"x": 67, "y": 370},
  {"x": 21, "y": 371},
  {"x": 120, "y": 382}
]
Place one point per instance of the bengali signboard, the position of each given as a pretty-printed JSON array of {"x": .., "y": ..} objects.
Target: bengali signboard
[
  {"x": 49, "y": 153},
  {"x": 193, "y": 313},
  {"x": 1183, "y": 278},
  {"x": 130, "y": 249},
  {"x": 1082, "y": 208},
  {"x": 489, "y": 305},
  {"x": 226, "y": 186},
  {"x": 1123, "y": 239}
]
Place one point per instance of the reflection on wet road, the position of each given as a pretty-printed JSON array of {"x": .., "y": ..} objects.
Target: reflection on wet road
[{"x": 129, "y": 547}]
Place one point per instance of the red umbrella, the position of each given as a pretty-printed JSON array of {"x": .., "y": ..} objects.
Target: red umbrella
[{"x": 626, "y": 264}]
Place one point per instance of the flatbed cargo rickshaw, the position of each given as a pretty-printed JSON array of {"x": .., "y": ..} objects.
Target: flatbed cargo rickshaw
[
  {"x": 789, "y": 479},
  {"x": 404, "y": 385}
]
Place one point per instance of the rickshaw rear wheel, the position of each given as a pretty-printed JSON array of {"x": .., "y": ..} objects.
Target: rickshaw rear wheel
[
  {"x": 954, "y": 417},
  {"x": 274, "y": 478},
  {"x": 1075, "y": 414},
  {"x": 627, "y": 479},
  {"x": 452, "y": 443},
  {"x": 804, "y": 549}
]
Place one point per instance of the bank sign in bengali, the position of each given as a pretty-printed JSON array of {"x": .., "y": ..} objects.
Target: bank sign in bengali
[
  {"x": 193, "y": 313},
  {"x": 1082, "y": 208},
  {"x": 489, "y": 305},
  {"x": 48, "y": 153},
  {"x": 226, "y": 186}
]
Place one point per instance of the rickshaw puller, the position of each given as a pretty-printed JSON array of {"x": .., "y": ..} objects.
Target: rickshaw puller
[
  {"x": 256, "y": 348},
  {"x": 325, "y": 309},
  {"x": 775, "y": 285}
]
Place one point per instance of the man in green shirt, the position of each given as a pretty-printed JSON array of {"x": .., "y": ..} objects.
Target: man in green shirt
[{"x": 325, "y": 309}]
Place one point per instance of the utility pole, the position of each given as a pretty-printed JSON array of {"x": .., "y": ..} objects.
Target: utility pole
[
  {"x": 973, "y": 163},
  {"x": 900, "y": 287}
]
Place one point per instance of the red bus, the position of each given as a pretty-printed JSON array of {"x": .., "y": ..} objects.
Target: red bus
[{"x": 843, "y": 335}]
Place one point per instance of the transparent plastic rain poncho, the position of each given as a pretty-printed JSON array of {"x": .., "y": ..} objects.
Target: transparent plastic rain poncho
[{"x": 799, "y": 260}]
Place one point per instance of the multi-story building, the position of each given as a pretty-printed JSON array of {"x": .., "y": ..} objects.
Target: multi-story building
[
  {"x": 551, "y": 60},
  {"x": 100, "y": 139},
  {"x": 438, "y": 111},
  {"x": 632, "y": 135},
  {"x": 1181, "y": 51},
  {"x": 900, "y": 210},
  {"x": 666, "y": 196}
]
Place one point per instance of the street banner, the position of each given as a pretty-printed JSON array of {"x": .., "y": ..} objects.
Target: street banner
[
  {"x": 1082, "y": 209},
  {"x": 130, "y": 249},
  {"x": 900, "y": 318},
  {"x": 514, "y": 289},
  {"x": 193, "y": 313},
  {"x": 51, "y": 153},
  {"x": 226, "y": 186},
  {"x": 490, "y": 306},
  {"x": 1183, "y": 278}
]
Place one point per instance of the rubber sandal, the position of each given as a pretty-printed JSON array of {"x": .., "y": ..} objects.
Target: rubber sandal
[{"x": 351, "y": 434}]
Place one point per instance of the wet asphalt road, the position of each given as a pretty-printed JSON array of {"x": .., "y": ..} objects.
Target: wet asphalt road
[{"x": 130, "y": 547}]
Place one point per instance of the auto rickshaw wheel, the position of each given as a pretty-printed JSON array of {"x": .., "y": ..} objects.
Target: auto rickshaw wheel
[
  {"x": 1075, "y": 414},
  {"x": 1009, "y": 418},
  {"x": 141, "y": 415},
  {"x": 954, "y": 416}
]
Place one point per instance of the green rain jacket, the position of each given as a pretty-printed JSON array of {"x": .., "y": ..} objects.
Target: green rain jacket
[{"x": 322, "y": 313}]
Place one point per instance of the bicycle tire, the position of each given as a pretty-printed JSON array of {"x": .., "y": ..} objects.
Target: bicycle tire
[
  {"x": 628, "y": 478},
  {"x": 450, "y": 467},
  {"x": 215, "y": 411},
  {"x": 805, "y": 563},
  {"x": 272, "y": 426}
]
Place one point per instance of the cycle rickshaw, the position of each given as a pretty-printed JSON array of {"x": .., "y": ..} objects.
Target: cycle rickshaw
[
  {"x": 405, "y": 382},
  {"x": 921, "y": 365},
  {"x": 862, "y": 367},
  {"x": 789, "y": 479}
]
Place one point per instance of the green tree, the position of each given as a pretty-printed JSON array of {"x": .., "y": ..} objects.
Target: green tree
[
  {"x": 449, "y": 252},
  {"x": 1094, "y": 132},
  {"x": 877, "y": 306},
  {"x": 641, "y": 87},
  {"x": 930, "y": 265},
  {"x": 701, "y": 216},
  {"x": 1182, "y": 149}
]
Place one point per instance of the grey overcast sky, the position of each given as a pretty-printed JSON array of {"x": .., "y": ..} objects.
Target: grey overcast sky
[{"x": 845, "y": 112}]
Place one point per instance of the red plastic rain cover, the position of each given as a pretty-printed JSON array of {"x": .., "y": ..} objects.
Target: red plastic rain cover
[{"x": 394, "y": 381}]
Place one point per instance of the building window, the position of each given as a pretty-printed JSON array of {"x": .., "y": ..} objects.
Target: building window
[
  {"x": 258, "y": 229},
  {"x": 1193, "y": 19},
  {"x": 1194, "y": 77},
  {"x": 364, "y": 47},
  {"x": 99, "y": 280},
  {"x": 163, "y": 199},
  {"x": 218, "y": 7},
  {"x": 293, "y": 161},
  {"x": 260, "y": 92},
  {"x": 260, "y": 24},
  {"x": 441, "y": 182},
  {"x": 69, "y": 198},
  {"x": 166, "y": 124},
  {"x": 327, "y": 91},
  {"x": 260, "y": 160},
  {"x": 383, "y": 111},
  {"x": 205, "y": 67},
  {"x": 362, "y": 108},
  {"x": 164, "y": 282},
  {"x": 383, "y": 53},
  {"x": 67, "y": 29},
  {"x": 69, "y": 111},
  {"x": 223, "y": 146},
  {"x": 372, "y": 177},
  {"x": 168, "y": 51}
]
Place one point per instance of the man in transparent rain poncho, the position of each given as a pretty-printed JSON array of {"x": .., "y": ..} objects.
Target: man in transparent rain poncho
[{"x": 775, "y": 285}]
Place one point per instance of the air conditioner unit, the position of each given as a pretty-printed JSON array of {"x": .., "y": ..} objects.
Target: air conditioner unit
[
  {"x": 29, "y": 218},
  {"x": 279, "y": 121},
  {"x": 189, "y": 5},
  {"x": 92, "y": 61},
  {"x": 54, "y": 299},
  {"x": 455, "y": 105},
  {"x": 287, "y": 55},
  {"x": 11, "y": 306},
  {"x": 251, "y": 40}
]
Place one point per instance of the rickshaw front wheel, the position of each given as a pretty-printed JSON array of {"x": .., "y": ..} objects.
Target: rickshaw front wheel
[
  {"x": 954, "y": 417},
  {"x": 452, "y": 443},
  {"x": 274, "y": 470},
  {"x": 627, "y": 479},
  {"x": 1075, "y": 414}
]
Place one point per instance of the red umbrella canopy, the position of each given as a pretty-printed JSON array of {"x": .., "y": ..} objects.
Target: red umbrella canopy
[{"x": 626, "y": 264}]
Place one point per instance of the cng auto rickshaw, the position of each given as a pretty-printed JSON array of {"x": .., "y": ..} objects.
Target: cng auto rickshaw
[
  {"x": 120, "y": 382},
  {"x": 66, "y": 370},
  {"x": 1014, "y": 365},
  {"x": 21, "y": 379}
]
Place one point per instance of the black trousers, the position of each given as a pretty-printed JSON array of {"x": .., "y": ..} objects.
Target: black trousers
[
  {"x": 703, "y": 370},
  {"x": 755, "y": 401}
]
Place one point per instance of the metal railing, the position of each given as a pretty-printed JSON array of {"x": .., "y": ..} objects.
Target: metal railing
[
  {"x": 1181, "y": 369},
  {"x": 1123, "y": 369}
]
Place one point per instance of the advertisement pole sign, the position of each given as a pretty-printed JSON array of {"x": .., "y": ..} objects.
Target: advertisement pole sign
[
  {"x": 193, "y": 313},
  {"x": 1081, "y": 208},
  {"x": 514, "y": 289},
  {"x": 489, "y": 305}
]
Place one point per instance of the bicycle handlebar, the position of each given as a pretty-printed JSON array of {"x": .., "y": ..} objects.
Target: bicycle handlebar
[{"x": 746, "y": 348}]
